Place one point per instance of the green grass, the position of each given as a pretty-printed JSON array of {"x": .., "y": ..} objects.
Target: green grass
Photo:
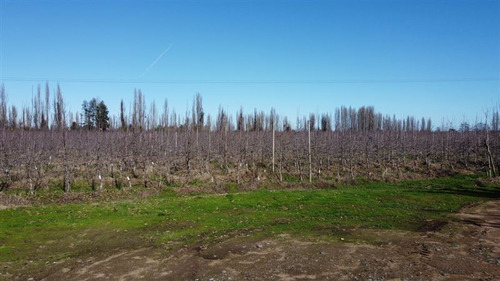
[{"x": 56, "y": 231}]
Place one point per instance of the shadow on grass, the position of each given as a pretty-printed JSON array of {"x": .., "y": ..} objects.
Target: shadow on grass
[{"x": 478, "y": 192}]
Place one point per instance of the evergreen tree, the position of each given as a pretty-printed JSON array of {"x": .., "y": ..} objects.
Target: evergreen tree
[
  {"x": 102, "y": 118},
  {"x": 95, "y": 115}
]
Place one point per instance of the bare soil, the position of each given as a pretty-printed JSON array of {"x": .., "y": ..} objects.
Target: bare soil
[{"x": 467, "y": 248}]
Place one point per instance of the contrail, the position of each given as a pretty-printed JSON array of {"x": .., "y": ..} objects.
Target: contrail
[{"x": 156, "y": 60}]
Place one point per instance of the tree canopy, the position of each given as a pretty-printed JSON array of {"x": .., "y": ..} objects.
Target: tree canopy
[{"x": 95, "y": 115}]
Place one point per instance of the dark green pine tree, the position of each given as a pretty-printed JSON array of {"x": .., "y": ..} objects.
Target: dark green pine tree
[
  {"x": 95, "y": 115},
  {"x": 102, "y": 118}
]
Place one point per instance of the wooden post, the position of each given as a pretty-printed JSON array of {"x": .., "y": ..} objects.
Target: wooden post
[
  {"x": 309, "y": 144},
  {"x": 273, "y": 143}
]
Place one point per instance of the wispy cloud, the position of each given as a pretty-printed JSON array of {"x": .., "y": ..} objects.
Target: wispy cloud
[{"x": 156, "y": 60}]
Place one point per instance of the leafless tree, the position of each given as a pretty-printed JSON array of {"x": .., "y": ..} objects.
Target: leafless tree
[
  {"x": 13, "y": 117},
  {"x": 3, "y": 107},
  {"x": 59, "y": 110},
  {"x": 44, "y": 123},
  {"x": 37, "y": 108},
  {"x": 123, "y": 121}
]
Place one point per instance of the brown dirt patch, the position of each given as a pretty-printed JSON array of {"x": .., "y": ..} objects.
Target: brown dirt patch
[{"x": 432, "y": 226}]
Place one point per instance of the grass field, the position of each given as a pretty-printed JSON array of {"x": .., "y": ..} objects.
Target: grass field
[{"x": 33, "y": 236}]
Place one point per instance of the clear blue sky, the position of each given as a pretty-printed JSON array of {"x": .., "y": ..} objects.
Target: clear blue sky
[{"x": 407, "y": 57}]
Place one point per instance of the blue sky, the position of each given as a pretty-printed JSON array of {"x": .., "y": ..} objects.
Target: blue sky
[{"x": 437, "y": 59}]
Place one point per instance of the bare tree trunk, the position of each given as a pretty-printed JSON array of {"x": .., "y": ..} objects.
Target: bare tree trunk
[
  {"x": 145, "y": 173},
  {"x": 280, "y": 170},
  {"x": 66, "y": 180},
  {"x": 167, "y": 173},
  {"x": 32, "y": 188},
  {"x": 118, "y": 180},
  {"x": 492, "y": 169},
  {"x": 238, "y": 166},
  {"x": 67, "y": 185},
  {"x": 298, "y": 161}
]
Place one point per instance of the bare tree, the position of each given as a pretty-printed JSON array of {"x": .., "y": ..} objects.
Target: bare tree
[
  {"x": 66, "y": 162},
  {"x": 3, "y": 107},
  {"x": 44, "y": 123},
  {"x": 13, "y": 117},
  {"x": 123, "y": 121},
  {"x": 59, "y": 110},
  {"x": 26, "y": 118},
  {"x": 326, "y": 122},
  {"x": 199, "y": 119},
  {"x": 165, "y": 115},
  {"x": 491, "y": 163},
  {"x": 139, "y": 111},
  {"x": 37, "y": 108},
  {"x": 153, "y": 117}
]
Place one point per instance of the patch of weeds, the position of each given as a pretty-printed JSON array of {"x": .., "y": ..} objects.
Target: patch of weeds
[
  {"x": 196, "y": 182},
  {"x": 172, "y": 184},
  {"x": 290, "y": 178},
  {"x": 80, "y": 186},
  {"x": 230, "y": 197},
  {"x": 232, "y": 187}
]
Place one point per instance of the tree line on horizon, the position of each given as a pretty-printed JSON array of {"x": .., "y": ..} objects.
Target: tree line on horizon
[
  {"x": 46, "y": 113},
  {"x": 47, "y": 146}
]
